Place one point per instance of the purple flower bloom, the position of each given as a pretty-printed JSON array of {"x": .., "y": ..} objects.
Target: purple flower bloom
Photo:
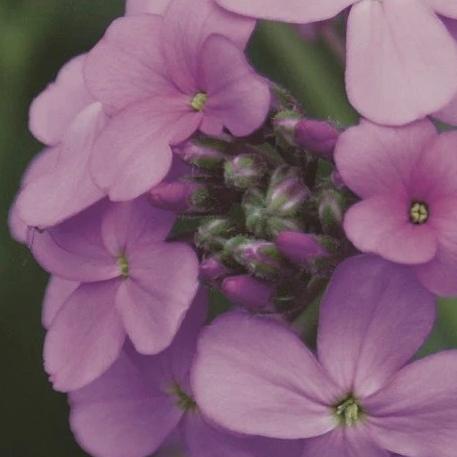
[
  {"x": 407, "y": 180},
  {"x": 66, "y": 118},
  {"x": 134, "y": 7},
  {"x": 401, "y": 60},
  {"x": 131, "y": 283},
  {"x": 141, "y": 400},
  {"x": 357, "y": 398},
  {"x": 162, "y": 79}
]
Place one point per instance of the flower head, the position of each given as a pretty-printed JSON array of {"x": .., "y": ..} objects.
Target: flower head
[
  {"x": 129, "y": 282},
  {"x": 408, "y": 213},
  {"x": 164, "y": 78},
  {"x": 357, "y": 397}
]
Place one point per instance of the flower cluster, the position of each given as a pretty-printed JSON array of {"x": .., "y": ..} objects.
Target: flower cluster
[{"x": 172, "y": 171}]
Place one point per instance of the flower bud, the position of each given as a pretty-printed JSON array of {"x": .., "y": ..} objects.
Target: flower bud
[
  {"x": 212, "y": 269},
  {"x": 316, "y": 136},
  {"x": 213, "y": 234},
  {"x": 331, "y": 211},
  {"x": 300, "y": 248},
  {"x": 181, "y": 196},
  {"x": 286, "y": 196},
  {"x": 194, "y": 152},
  {"x": 261, "y": 258},
  {"x": 244, "y": 170},
  {"x": 284, "y": 124},
  {"x": 253, "y": 294}
]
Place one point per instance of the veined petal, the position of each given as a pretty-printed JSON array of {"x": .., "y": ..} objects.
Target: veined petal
[
  {"x": 374, "y": 317},
  {"x": 297, "y": 11},
  {"x": 415, "y": 415},
  {"x": 242, "y": 380},
  {"x": 85, "y": 337},
  {"x": 394, "y": 74}
]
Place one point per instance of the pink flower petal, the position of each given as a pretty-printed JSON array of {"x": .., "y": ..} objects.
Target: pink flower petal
[
  {"x": 154, "y": 302},
  {"x": 135, "y": 223},
  {"x": 344, "y": 442},
  {"x": 444, "y": 7},
  {"x": 242, "y": 380},
  {"x": 373, "y": 159},
  {"x": 380, "y": 225},
  {"x": 146, "y": 6},
  {"x": 187, "y": 25},
  {"x": 122, "y": 413},
  {"x": 374, "y": 317},
  {"x": 68, "y": 188},
  {"x": 85, "y": 338},
  {"x": 132, "y": 154},
  {"x": 296, "y": 11},
  {"x": 416, "y": 414},
  {"x": 205, "y": 440},
  {"x": 402, "y": 62},
  {"x": 57, "y": 293},
  {"x": 126, "y": 66},
  {"x": 54, "y": 109},
  {"x": 236, "y": 94}
]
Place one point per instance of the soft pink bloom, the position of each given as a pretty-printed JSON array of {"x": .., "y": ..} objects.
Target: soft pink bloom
[
  {"x": 141, "y": 401},
  {"x": 162, "y": 79},
  {"x": 406, "y": 178},
  {"x": 134, "y": 7},
  {"x": 401, "y": 60},
  {"x": 130, "y": 283},
  {"x": 358, "y": 396},
  {"x": 67, "y": 119}
]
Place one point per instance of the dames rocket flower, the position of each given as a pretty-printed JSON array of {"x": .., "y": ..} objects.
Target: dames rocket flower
[
  {"x": 357, "y": 397},
  {"x": 140, "y": 401},
  {"x": 130, "y": 283},
  {"x": 406, "y": 178},
  {"x": 401, "y": 59},
  {"x": 162, "y": 79}
]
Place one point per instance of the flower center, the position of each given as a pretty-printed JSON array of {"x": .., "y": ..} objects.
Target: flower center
[
  {"x": 348, "y": 412},
  {"x": 183, "y": 400},
  {"x": 123, "y": 265},
  {"x": 419, "y": 213},
  {"x": 199, "y": 101}
]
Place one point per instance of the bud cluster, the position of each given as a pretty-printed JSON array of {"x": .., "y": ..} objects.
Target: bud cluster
[{"x": 268, "y": 209}]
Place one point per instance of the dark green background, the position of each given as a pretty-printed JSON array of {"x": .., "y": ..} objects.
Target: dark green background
[{"x": 36, "y": 38}]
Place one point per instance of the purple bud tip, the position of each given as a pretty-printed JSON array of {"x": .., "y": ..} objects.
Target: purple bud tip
[
  {"x": 249, "y": 292},
  {"x": 200, "y": 155},
  {"x": 300, "y": 248},
  {"x": 172, "y": 196},
  {"x": 212, "y": 269},
  {"x": 317, "y": 136}
]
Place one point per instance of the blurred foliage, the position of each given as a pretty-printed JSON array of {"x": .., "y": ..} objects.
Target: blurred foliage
[{"x": 36, "y": 38}]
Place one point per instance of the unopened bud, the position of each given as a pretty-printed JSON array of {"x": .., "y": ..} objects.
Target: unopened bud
[
  {"x": 181, "y": 197},
  {"x": 249, "y": 292},
  {"x": 212, "y": 269},
  {"x": 261, "y": 258},
  {"x": 213, "y": 234},
  {"x": 300, "y": 248},
  {"x": 200, "y": 155},
  {"x": 244, "y": 170},
  {"x": 284, "y": 124},
  {"x": 331, "y": 211},
  {"x": 286, "y": 196},
  {"x": 316, "y": 136}
]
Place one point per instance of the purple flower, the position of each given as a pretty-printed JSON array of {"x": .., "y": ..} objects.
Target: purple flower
[
  {"x": 357, "y": 398},
  {"x": 142, "y": 400},
  {"x": 67, "y": 119},
  {"x": 132, "y": 283},
  {"x": 134, "y": 7},
  {"x": 401, "y": 60},
  {"x": 162, "y": 79},
  {"x": 407, "y": 180}
]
